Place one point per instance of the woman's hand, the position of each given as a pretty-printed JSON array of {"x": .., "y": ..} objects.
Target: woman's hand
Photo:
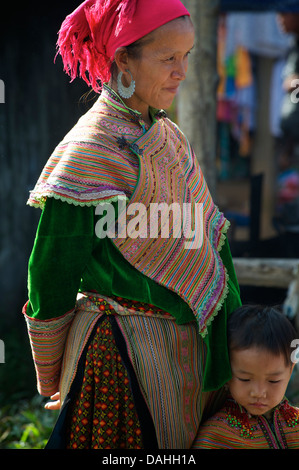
[{"x": 55, "y": 404}]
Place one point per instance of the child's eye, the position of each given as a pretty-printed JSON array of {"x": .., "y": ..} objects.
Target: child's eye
[
  {"x": 274, "y": 381},
  {"x": 243, "y": 380}
]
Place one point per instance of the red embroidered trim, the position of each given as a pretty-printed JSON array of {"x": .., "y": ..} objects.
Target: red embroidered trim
[{"x": 238, "y": 418}]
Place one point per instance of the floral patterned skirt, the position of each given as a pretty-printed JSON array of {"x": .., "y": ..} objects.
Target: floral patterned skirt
[{"x": 103, "y": 414}]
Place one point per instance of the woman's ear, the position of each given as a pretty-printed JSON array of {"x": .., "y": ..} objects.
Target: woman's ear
[{"x": 121, "y": 59}]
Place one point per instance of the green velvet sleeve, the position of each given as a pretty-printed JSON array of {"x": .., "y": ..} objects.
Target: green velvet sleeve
[{"x": 62, "y": 248}]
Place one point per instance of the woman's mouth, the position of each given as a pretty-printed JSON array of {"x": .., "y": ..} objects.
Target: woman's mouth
[{"x": 172, "y": 90}]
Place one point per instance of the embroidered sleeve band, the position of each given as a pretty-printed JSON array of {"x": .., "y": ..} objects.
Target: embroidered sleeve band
[{"x": 47, "y": 340}]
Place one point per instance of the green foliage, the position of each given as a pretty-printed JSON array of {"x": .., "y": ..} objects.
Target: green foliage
[
  {"x": 17, "y": 375},
  {"x": 26, "y": 424}
]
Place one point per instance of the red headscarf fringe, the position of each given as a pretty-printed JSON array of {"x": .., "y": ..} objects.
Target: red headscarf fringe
[{"x": 82, "y": 53}]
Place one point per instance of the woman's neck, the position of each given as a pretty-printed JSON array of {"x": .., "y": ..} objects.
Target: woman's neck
[{"x": 132, "y": 104}]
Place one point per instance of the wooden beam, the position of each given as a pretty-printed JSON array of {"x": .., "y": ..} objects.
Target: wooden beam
[{"x": 264, "y": 272}]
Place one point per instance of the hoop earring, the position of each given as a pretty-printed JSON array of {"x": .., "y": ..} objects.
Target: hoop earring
[{"x": 125, "y": 92}]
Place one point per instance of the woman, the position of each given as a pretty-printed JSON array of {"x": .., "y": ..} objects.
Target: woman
[{"x": 131, "y": 357}]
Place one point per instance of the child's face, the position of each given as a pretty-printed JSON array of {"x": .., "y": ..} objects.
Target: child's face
[{"x": 259, "y": 379}]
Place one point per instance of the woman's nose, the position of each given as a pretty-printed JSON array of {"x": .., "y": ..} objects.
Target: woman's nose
[{"x": 180, "y": 71}]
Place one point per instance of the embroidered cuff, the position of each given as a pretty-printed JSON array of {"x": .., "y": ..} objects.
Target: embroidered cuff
[{"x": 47, "y": 340}]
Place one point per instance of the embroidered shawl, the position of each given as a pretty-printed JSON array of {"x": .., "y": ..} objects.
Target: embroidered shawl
[{"x": 111, "y": 155}]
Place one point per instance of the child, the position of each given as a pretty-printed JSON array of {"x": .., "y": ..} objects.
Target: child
[{"x": 256, "y": 414}]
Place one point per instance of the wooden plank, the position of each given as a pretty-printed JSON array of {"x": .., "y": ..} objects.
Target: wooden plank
[{"x": 264, "y": 272}]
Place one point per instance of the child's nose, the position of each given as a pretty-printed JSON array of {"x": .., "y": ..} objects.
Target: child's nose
[{"x": 258, "y": 391}]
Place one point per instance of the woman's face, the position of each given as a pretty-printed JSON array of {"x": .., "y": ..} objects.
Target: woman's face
[{"x": 162, "y": 66}]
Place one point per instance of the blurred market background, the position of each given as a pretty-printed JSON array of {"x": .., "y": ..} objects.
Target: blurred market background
[{"x": 231, "y": 109}]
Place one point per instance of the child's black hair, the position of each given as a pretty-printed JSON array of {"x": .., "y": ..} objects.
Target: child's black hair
[{"x": 262, "y": 327}]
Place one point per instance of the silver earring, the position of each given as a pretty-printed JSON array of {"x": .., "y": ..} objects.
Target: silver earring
[{"x": 125, "y": 92}]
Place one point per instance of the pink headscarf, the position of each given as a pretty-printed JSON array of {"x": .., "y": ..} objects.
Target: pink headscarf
[{"x": 89, "y": 36}]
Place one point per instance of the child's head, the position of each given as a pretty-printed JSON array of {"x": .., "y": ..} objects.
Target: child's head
[{"x": 259, "y": 340}]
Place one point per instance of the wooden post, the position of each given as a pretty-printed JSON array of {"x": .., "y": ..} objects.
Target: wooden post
[
  {"x": 263, "y": 153},
  {"x": 198, "y": 93}
]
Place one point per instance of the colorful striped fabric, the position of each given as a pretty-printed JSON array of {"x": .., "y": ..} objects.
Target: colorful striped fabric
[
  {"x": 47, "y": 340},
  {"x": 110, "y": 154},
  {"x": 168, "y": 360},
  {"x": 89, "y": 166},
  {"x": 233, "y": 428}
]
